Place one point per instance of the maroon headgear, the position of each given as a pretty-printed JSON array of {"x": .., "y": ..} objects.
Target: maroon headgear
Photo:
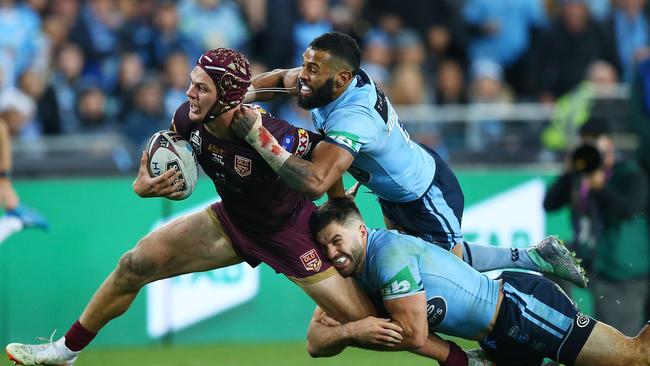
[{"x": 231, "y": 73}]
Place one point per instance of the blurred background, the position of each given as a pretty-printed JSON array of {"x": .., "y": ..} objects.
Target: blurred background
[{"x": 499, "y": 88}]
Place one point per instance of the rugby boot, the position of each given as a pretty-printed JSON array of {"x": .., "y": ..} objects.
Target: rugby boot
[
  {"x": 477, "y": 357},
  {"x": 51, "y": 354},
  {"x": 29, "y": 217},
  {"x": 552, "y": 257}
]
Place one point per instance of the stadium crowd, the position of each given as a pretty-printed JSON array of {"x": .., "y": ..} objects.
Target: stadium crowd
[{"x": 71, "y": 66}]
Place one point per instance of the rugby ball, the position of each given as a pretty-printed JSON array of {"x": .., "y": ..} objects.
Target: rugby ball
[{"x": 169, "y": 150}]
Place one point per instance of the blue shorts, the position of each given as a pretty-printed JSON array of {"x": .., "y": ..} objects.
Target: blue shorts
[
  {"x": 436, "y": 216},
  {"x": 536, "y": 320}
]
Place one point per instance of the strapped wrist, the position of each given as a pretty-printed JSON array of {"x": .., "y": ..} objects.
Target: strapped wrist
[{"x": 5, "y": 174}]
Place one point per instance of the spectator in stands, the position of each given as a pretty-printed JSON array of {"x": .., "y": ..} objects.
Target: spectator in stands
[
  {"x": 167, "y": 38},
  {"x": 409, "y": 48},
  {"x": 376, "y": 57},
  {"x": 408, "y": 88},
  {"x": 67, "y": 81},
  {"x": 501, "y": 33},
  {"x": 450, "y": 84},
  {"x": 573, "y": 109},
  {"x": 487, "y": 88},
  {"x": 147, "y": 115},
  {"x": 176, "y": 71},
  {"x": 311, "y": 23},
  {"x": 573, "y": 43},
  {"x": 215, "y": 23},
  {"x": 607, "y": 197},
  {"x": 92, "y": 111},
  {"x": 34, "y": 85},
  {"x": 130, "y": 73},
  {"x": 632, "y": 32},
  {"x": 96, "y": 33},
  {"x": 136, "y": 32}
]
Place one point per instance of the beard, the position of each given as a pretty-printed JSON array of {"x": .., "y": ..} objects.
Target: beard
[{"x": 320, "y": 97}]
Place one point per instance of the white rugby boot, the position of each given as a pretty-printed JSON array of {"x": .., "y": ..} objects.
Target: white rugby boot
[{"x": 51, "y": 354}]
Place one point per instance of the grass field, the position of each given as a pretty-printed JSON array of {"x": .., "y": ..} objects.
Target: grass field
[{"x": 280, "y": 354}]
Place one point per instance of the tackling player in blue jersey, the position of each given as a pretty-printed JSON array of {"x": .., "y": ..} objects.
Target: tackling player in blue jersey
[
  {"x": 518, "y": 319},
  {"x": 417, "y": 191}
]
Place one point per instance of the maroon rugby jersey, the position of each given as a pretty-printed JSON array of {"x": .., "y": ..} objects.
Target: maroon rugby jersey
[{"x": 253, "y": 195}]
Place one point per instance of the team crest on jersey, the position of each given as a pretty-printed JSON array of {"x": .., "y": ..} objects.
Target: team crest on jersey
[
  {"x": 243, "y": 166},
  {"x": 287, "y": 142},
  {"x": 303, "y": 143},
  {"x": 311, "y": 260},
  {"x": 195, "y": 140}
]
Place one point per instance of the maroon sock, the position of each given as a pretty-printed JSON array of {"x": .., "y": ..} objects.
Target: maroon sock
[
  {"x": 78, "y": 337},
  {"x": 457, "y": 357}
]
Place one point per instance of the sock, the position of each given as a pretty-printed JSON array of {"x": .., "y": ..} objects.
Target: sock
[
  {"x": 488, "y": 258},
  {"x": 457, "y": 357},
  {"x": 8, "y": 225},
  {"x": 78, "y": 337}
]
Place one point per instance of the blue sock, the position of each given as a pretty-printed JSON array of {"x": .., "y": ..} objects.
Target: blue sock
[{"x": 485, "y": 258}]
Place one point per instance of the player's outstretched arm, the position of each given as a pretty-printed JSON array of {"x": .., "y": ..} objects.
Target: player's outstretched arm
[
  {"x": 312, "y": 178},
  {"x": 268, "y": 85},
  {"x": 164, "y": 185}
]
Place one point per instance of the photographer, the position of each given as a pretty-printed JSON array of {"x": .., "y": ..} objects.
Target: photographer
[{"x": 607, "y": 198}]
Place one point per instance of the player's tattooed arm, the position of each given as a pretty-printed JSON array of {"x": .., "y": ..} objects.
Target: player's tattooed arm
[
  {"x": 311, "y": 178},
  {"x": 276, "y": 82}
]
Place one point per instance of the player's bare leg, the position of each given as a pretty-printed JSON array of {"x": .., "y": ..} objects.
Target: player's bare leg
[
  {"x": 339, "y": 297},
  {"x": 607, "y": 346},
  {"x": 189, "y": 244}
]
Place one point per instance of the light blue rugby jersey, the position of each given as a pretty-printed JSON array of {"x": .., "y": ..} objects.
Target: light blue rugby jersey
[
  {"x": 363, "y": 121},
  {"x": 460, "y": 301}
]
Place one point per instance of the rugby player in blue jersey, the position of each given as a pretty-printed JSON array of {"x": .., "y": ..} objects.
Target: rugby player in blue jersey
[
  {"x": 417, "y": 191},
  {"x": 518, "y": 318}
]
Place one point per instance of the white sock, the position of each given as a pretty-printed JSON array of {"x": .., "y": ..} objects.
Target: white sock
[{"x": 8, "y": 226}]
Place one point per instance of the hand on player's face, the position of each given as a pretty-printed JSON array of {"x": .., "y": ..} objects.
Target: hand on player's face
[
  {"x": 244, "y": 119},
  {"x": 376, "y": 332},
  {"x": 164, "y": 185}
]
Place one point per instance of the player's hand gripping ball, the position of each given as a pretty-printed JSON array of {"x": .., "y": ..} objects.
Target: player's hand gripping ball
[{"x": 169, "y": 150}]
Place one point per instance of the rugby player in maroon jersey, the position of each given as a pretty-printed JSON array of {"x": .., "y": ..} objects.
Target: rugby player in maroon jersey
[{"x": 260, "y": 219}]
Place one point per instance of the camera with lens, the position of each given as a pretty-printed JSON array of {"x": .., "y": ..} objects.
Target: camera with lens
[{"x": 586, "y": 159}]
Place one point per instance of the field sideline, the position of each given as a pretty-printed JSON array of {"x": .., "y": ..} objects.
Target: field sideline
[{"x": 280, "y": 354}]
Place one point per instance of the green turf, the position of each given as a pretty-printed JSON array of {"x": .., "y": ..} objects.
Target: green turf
[{"x": 280, "y": 354}]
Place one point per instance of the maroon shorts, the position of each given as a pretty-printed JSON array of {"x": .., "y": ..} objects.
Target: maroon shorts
[{"x": 291, "y": 251}]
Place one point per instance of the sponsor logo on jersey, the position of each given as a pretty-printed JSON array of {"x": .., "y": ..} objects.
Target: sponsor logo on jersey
[
  {"x": 311, "y": 260},
  {"x": 287, "y": 141},
  {"x": 515, "y": 333},
  {"x": 346, "y": 139},
  {"x": 243, "y": 166},
  {"x": 217, "y": 159},
  {"x": 402, "y": 283},
  {"x": 582, "y": 320},
  {"x": 436, "y": 311},
  {"x": 195, "y": 140},
  {"x": 303, "y": 143}
]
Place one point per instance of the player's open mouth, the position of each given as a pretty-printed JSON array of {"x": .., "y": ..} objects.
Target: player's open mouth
[
  {"x": 304, "y": 89},
  {"x": 341, "y": 262},
  {"x": 194, "y": 108}
]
